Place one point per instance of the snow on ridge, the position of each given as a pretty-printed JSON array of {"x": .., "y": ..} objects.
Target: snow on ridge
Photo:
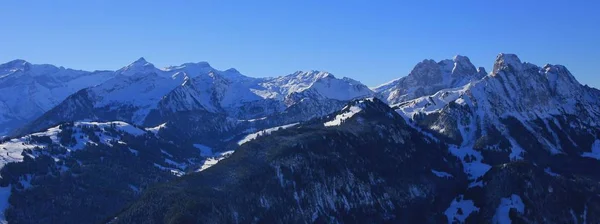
[
  {"x": 156, "y": 129},
  {"x": 267, "y": 131},
  {"x": 119, "y": 125},
  {"x": 352, "y": 110},
  {"x": 214, "y": 159},
  {"x": 12, "y": 150}
]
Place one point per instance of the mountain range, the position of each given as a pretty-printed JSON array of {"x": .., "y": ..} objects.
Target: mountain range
[{"x": 448, "y": 143}]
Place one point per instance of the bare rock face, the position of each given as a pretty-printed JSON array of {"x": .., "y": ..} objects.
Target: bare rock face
[{"x": 428, "y": 77}]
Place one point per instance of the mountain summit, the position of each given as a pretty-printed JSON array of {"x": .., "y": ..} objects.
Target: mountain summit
[{"x": 428, "y": 77}]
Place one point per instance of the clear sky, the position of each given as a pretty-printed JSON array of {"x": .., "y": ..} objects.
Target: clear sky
[{"x": 371, "y": 41}]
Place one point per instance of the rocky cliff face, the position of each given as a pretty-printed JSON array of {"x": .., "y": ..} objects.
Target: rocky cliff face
[{"x": 428, "y": 77}]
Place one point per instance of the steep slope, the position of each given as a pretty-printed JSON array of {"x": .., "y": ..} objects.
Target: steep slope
[
  {"x": 428, "y": 77},
  {"x": 518, "y": 112},
  {"x": 82, "y": 172},
  {"x": 28, "y": 90}
]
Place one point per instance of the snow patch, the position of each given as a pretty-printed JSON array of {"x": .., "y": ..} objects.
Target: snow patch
[
  {"x": 503, "y": 210},
  {"x": 471, "y": 161},
  {"x": 441, "y": 174},
  {"x": 595, "y": 152},
  {"x": 211, "y": 161},
  {"x": 460, "y": 210},
  {"x": 341, "y": 117},
  {"x": 268, "y": 131}
]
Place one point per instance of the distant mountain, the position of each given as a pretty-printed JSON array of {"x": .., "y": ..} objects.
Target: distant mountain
[
  {"x": 518, "y": 112},
  {"x": 28, "y": 90},
  {"x": 446, "y": 144},
  {"x": 147, "y": 96},
  {"x": 428, "y": 77}
]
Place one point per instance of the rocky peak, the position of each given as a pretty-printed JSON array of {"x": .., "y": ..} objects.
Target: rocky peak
[
  {"x": 510, "y": 62},
  {"x": 426, "y": 72},
  {"x": 313, "y": 75},
  {"x": 481, "y": 70},
  {"x": 14, "y": 65},
  {"x": 138, "y": 66},
  {"x": 463, "y": 66}
]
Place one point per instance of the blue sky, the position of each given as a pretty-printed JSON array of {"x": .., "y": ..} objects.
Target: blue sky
[{"x": 372, "y": 42}]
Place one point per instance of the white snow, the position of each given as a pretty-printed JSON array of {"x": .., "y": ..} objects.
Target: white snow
[
  {"x": 506, "y": 204},
  {"x": 595, "y": 151},
  {"x": 343, "y": 116},
  {"x": 211, "y": 161},
  {"x": 119, "y": 125},
  {"x": 466, "y": 207},
  {"x": 516, "y": 151},
  {"x": 441, "y": 174},
  {"x": 156, "y": 129},
  {"x": 11, "y": 151},
  {"x": 268, "y": 131},
  {"x": 471, "y": 160}
]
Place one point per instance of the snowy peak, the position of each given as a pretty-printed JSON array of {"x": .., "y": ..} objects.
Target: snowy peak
[
  {"x": 463, "y": 66},
  {"x": 559, "y": 73},
  {"x": 138, "y": 66},
  {"x": 428, "y": 77},
  {"x": 426, "y": 71},
  {"x": 310, "y": 76},
  {"x": 15, "y": 64},
  {"x": 510, "y": 62},
  {"x": 328, "y": 86}
]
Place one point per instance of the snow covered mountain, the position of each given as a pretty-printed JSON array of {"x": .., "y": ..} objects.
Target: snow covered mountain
[
  {"x": 28, "y": 90},
  {"x": 448, "y": 143},
  {"x": 519, "y": 112},
  {"x": 428, "y": 77},
  {"x": 144, "y": 95}
]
